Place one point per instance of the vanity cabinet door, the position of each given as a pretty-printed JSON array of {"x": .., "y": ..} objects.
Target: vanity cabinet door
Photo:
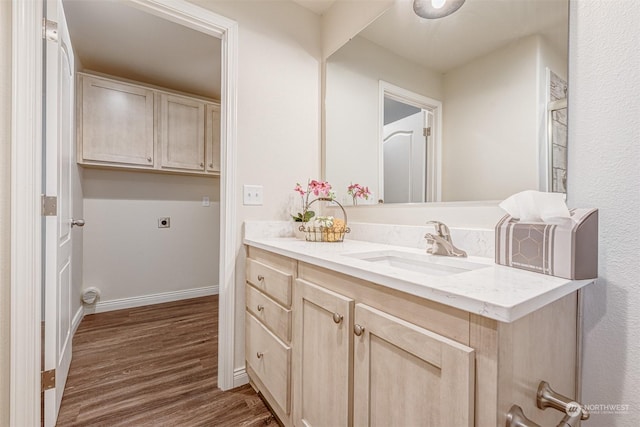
[
  {"x": 407, "y": 375},
  {"x": 182, "y": 132},
  {"x": 322, "y": 357}
]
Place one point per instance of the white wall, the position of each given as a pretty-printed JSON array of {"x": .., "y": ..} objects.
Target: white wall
[
  {"x": 279, "y": 79},
  {"x": 126, "y": 255},
  {"x": 5, "y": 207},
  {"x": 352, "y": 109},
  {"x": 604, "y": 154},
  {"x": 345, "y": 19},
  {"x": 490, "y": 124}
]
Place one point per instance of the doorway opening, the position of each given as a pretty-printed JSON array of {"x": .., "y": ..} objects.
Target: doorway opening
[{"x": 26, "y": 266}]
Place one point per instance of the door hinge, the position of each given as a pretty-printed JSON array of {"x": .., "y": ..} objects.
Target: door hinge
[
  {"x": 49, "y": 205},
  {"x": 427, "y": 131},
  {"x": 48, "y": 379},
  {"x": 49, "y": 30}
]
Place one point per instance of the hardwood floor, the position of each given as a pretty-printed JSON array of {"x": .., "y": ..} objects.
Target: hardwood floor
[{"x": 154, "y": 366}]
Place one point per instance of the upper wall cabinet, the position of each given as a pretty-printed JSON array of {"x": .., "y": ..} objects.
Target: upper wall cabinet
[
  {"x": 181, "y": 132},
  {"x": 124, "y": 125},
  {"x": 115, "y": 123}
]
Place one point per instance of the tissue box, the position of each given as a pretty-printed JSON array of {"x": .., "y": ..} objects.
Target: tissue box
[{"x": 566, "y": 247}]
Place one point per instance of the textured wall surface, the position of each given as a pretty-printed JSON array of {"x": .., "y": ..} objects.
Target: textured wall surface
[
  {"x": 5, "y": 200},
  {"x": 604, "y": 154}
]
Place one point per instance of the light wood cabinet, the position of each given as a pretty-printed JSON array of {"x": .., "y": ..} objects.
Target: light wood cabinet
[
  {"x": 133, "y": 126},
  {"x": 116, "y": 123},
  {"x": 268, "y": 344},
  {"x": 181, "y": 133},
  {"x": 324, "y": 341},
  {"x": 212, "y": 150},
  {"x": 408, "y": 376},
  {"x": 362, "y": 354}
]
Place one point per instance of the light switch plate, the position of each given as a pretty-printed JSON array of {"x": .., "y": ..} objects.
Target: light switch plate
[
  {"x": 205, "y": 201},
  {"x": 252, "y": 195}
]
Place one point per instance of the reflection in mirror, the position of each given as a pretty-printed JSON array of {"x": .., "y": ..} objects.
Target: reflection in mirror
[
  {"x": 498, "y": 69},
  {"x": 409, "y": 138}
]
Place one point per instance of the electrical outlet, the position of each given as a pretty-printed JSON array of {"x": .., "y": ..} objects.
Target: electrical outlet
[
  {"x": 205, "y": 201},
  {"x": 164, "y": 222},
  {"x": 252, "y": 195}
]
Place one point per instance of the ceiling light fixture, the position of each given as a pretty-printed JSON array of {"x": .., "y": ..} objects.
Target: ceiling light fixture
[{"x": 434, "y": 9}]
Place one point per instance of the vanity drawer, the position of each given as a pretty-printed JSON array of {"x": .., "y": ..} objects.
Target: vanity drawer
[
  {"x": 274, "y": 283},
  {"x": 275, "y": 317},
  {"x": 270, "y": 359}
]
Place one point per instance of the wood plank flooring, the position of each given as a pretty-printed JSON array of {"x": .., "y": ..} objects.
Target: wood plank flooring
[{"x": 154, "y": 366}]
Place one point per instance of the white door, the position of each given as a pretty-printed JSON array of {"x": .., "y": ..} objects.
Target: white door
[
  {"x": 60, "y": 174},
  {"x": 405, "y": 160}
]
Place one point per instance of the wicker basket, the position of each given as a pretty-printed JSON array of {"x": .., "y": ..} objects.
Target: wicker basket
[{"x": 326, "y": 234}]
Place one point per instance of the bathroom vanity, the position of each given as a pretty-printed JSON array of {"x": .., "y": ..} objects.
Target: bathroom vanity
[{"x": 358, "y": 333}]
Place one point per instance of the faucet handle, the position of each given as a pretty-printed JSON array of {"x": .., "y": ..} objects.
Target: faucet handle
[{"x": 441, "y": 229}]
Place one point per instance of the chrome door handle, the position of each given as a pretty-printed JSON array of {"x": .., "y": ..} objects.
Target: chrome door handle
[{"x": 78, "y": 222}]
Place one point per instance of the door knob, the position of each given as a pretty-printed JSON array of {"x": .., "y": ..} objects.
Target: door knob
[{"x": 78, "y": 222}]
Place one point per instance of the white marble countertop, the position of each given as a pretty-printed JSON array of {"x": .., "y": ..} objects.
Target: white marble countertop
[{"x": 497, "y": 292}]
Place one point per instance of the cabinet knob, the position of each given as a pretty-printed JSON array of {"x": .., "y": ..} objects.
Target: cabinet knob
[
  {"x": 211, "y": 165},
  {"x": 259, "y": 355},
  {"x": 260, "y": 307},
  {"x": 337, "y": 317},
  {"x": 358, "y": 330},
  {"x": 260, "y": 277},
  {"x": 201, "y": 164},
  {"x": 149, "y": 159}
]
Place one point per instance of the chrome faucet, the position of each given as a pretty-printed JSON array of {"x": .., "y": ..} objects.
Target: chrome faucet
[{"x": 440, "y": 242}]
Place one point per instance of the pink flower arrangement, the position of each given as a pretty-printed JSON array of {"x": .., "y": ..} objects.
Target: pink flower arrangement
[
  {"x": 318, "y": 189},
  {"x": 358, "y": 191}
]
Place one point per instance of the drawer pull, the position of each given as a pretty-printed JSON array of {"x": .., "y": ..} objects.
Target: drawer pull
[
  {"x": 149, "y": 159},
  {"x": 358, "y": 330},
  {"x": 259, "y": 355},
  {"x": 260, "y": 277},
  {"x": 260, "y": 307},
  {"x": 337, "y": 317}
]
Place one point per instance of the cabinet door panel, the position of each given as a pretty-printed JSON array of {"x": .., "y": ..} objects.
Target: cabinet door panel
[
  {"x": 270, "y": 359},
  {"x": 182, "y": 136},
  {"x": 272, "y": 282},
  {"x": 407, "y": 375},
  {"x": 269, "y": 312},
  {"x": 324, "y": 368},
  {"x": 212, "y": 151},
  {"x": 116, "y": 121}
]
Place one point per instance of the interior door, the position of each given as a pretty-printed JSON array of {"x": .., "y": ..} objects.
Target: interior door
[
  {"x": 404, "y": 144},
  {"x": 60, "y": 269}
]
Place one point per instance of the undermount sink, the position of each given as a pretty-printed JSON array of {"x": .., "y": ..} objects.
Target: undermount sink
[{"x": 432, "y": 265}]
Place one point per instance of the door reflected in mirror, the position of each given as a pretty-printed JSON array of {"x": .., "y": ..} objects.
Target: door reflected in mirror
[{"x": 492, "y": 132}]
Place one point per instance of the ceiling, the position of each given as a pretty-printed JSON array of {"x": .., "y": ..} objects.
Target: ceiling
[
  {"x": 113, "y": 38},
  {"x": 319, "y": 7},
  {"x": 477, "y": 28}
]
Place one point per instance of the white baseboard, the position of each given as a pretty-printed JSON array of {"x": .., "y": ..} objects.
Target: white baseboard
[
  {"x": 77, "y": 318},
  {"x": 139, "y": 301},
  {"x": 240, "y": 377}
]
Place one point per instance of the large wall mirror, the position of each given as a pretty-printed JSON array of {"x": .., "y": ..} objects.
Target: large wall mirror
[{"x": 469, "y": 107}]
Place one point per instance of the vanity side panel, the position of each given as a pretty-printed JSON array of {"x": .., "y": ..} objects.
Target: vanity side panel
[
  {"x": 540, "y": 346},
  {"x": 441, "y": 319},
  {"x": 483, "y": 338}
]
